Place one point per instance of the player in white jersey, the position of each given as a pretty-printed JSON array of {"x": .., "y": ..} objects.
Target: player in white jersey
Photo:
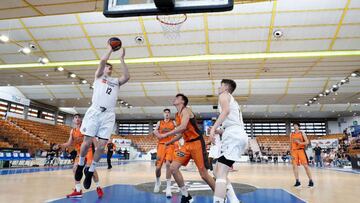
[
  {"x": 99, "y": 119},
  {"x": 233, "y": 142}
]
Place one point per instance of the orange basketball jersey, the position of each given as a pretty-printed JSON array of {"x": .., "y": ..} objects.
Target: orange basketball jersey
[
  {"x": 191, "y": 131},
  {"x": 294, "y": 137},
  {"x": 165, "y": 127},
  {"x": 78, "y": 138}
]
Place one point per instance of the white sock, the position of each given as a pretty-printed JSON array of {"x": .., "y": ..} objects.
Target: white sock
[
  {"x": 168, "y": 183},
  {"x": 97, "y": 184},
  {"x": 78, "y": 187},
  {"x": 218, "y": 200},
  {"x": 231, "y": 193},
  {"x": 158, "y": 181},
  {"x": 184, "y": 191},
  {"x": 81, "y": 161},
  {"x": 93, "y": 166}
]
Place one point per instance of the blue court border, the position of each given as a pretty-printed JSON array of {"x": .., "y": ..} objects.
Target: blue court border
[{"x": 130, "y": 194}]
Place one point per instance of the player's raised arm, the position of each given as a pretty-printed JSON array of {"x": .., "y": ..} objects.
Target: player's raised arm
[
  {"x": 100, "y": 71},
  {"x": 125, "y": 76}
]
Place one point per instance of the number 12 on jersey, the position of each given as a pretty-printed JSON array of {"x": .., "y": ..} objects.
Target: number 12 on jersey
[{"x": 108, "y": 91}]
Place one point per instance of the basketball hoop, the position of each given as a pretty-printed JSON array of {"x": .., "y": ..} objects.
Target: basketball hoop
[{"x": 171, "y": 24}]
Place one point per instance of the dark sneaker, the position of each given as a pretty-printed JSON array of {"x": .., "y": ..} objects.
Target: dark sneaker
[
  {"x": 187, "y": 199},
  {"x": 297, "y": 184},
  {"x": 311, "y": 183},
  {"x": 87, "y": 181},
  {"x": 86, "y": 170},
  {"x": 79, "y": 172}
]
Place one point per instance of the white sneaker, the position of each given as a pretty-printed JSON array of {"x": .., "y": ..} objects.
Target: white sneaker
[
  {"x": 168, "y": 193},
  {"x": 157, "y": 187}
]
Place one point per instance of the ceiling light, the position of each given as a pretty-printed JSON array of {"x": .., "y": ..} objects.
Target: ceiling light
[
  {"x": 314, "y": 98},
  {"x": 359, "y": 98},
  {"x": 72, "y": 75},
  {"x": 4, "y": 38},
  {"x": 334, "y": 99},
  {"x": 43, "y": 60},
  {"x": 60, "y": 68},
  {"x": 25, "y": 50},
  {"x": 307, "y": 104},
  {"x": 51, "y": 99},
  {"x": 83, "y": 81},
  {"x": 355, "y": 74},
  {"x": 21, "y": 76},
  {"x": 192, "y": 58},
  {"x": 121, "y": 101},
  {"x": 321, "y": 95},
  {"x": 310, "y": 101},
  {"x": 46, "y": 75},
  {"x": 130, "y": 107},
  {"x": 41, "y": 83},
  {"x": 327, "y": 92}
]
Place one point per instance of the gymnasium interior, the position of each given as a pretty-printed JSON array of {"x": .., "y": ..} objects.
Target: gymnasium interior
[{"x": 293, "y": 61}]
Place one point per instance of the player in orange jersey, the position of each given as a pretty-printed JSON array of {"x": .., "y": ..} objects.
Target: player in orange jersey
[
  {"x": 75, "y": 139},
  {"x": 298, "y": 141},
  {"x": 164, "y": 153},
  {"x": 193, "y": 148}
]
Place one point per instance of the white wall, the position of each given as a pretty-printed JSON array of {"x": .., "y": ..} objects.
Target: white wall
[
  {"x": 342, "y": 123},
  {"x": 334, "y": 127},
  {"x": 12, "y": 91},
  {"x": 348, "y": 121}
]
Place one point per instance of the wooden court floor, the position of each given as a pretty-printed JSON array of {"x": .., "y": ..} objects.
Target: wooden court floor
[{"x": 330, "y": 186}]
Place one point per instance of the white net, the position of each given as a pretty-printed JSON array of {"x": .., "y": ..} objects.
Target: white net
[{"x": 171, "y": 24}]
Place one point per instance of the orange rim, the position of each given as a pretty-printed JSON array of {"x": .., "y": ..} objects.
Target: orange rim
[{"x": 167, "y": 23}]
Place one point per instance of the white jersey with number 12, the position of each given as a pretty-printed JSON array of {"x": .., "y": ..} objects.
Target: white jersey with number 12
[{"x": 106, "y": 91}]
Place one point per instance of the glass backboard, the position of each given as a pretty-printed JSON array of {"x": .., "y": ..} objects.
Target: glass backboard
[{"x": 123, "y": 8}]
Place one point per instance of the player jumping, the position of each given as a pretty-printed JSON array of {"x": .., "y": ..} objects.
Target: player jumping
[
  {"x": 99, "y": 119},
  {"x": 75, "y": 139},
  {"x": 233, "y": 141}
]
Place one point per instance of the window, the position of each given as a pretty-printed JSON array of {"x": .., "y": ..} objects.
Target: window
[
  {"x": 60, "y": 119},
  {"x": 47, "y": 116},
  {"x": 312, "y": 128},
  {"x": 3, "y": 108},
  {"x": 268, "y": 128},
  {"x": 134, "y": 128},
  {"x": 15, "y": 108},
  {"x": 33, "y": 112}
]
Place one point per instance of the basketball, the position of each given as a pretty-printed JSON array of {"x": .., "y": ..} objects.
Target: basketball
[{"x": 115, "y": 43}]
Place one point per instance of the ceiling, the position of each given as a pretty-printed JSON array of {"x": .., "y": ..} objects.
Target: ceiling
[{"x": 308, "y": 26}]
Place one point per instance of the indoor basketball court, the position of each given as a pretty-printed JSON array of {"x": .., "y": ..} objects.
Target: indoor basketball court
[{"x": 180, "y": 101}]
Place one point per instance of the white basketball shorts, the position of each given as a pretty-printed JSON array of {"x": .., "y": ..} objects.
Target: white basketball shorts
[{"x": 97, "y": 123}]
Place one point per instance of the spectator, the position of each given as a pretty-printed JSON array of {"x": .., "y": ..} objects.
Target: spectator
[
  {"x": 110, "y": 151},
  {"x": 318, "y": 161},
  {"x": 276, "y": 159},
  {"x": 126, "y": 154}
]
